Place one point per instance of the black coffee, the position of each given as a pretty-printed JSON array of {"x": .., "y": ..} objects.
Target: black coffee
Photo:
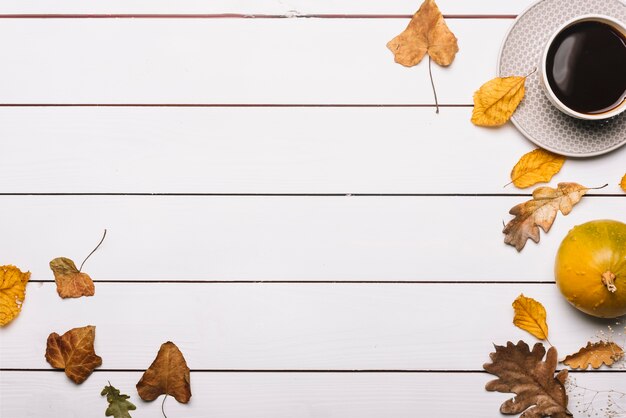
[{"x": 586, "y": 67}]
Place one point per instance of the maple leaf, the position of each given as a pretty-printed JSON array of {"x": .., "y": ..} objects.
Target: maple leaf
[
  {"x": 427, "y": 32},
  {"x": 168, "y": 374},
  {"x": 74, "y": 352},
  {"x": 71, "y": 283},
  {"x": 539, "y": 393},
  {"x": 496, "y": 100},
  {"x": 622, "y": 184},
  {"x": 535, "y": 167},
  {"x": 540, "y": 212},
  {"x": 118, "y": 404},
  {"x": 595, "y": 355},
  {"x": 12, "y": 292},
  {"x": 530, "y": 316}
]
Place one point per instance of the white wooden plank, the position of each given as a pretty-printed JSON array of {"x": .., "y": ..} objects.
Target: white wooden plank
[
  {"x": 283, "y": 7},
  {"x": 267, "y": 150},
  {"x": 284, "y": 238},
  {"x": 293, "y": 326},
  {"x": 233, "y": 61},
  {"x": 278, "y": 395}
]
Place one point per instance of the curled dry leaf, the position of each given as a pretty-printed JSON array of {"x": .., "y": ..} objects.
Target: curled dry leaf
[
  {"x": 168, "y": 374},
  {"x": 74, "y": 352},
  {"x": 535, "y": 167},
  {"x": 540, "y": 212},
  {"x": 119, "y": 405},
  {"x": 594, "y": 355},
  {"x": 427, "y": 33},
  {"x": 623, "y": 183},
  {"x": 71, "y": 283},
  {"x": 530, "y": 316},
  {"x": 496, "y": 100},
  {"x": 12, "y": 292},
  {"x": 539, "y": 393}
]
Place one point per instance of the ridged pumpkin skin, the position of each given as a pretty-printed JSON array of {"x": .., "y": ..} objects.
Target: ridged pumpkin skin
[{"x": 588, "y": 252}]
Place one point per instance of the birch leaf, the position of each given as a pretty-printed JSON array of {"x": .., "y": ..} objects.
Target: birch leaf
[
  {"x": 496, "y": 100},
  {"x": 540, "y": 212},
  {"x": 12, "y": 292},
  {"x": 594, "y": 355},
  {"x": 530, "y": 316},
  {"x": 535, "y": 167}
]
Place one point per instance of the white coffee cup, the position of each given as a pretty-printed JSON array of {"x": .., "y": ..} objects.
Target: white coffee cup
[{"x": 617, "y": 25}]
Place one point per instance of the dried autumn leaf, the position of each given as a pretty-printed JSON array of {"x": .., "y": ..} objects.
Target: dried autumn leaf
[
  {"x": 168, "y": 374},
  {"x": 12, "y": 292},
  {"x": 427, "y": 32},
  {"x": 71, "y": 283},
  {"x": 496, "y": 100},
  {"x": 540, "y": 212},
  {"x": 623, "y": 183},
  {"x": 118, "y": 404},
  {"x": 535, "y": 167},
  {"x": 74, "y": 352},
  {"x": 539, "y": 393},
  {"x": 594, "y": 355},
  {"x": 530, "y": 316}
]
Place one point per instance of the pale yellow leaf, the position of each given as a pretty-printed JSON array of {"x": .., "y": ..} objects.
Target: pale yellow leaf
[
  {"x": 496, "y": 100},
  {"x": 595, "y": 355},
  {"x": 535, "y": 167},
  {"x": 530, "y": 316}
]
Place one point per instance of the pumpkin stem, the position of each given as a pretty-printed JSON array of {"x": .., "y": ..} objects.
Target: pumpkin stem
[{"x": 608, "y": 280}]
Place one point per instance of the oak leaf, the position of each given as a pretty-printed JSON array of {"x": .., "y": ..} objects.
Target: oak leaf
[
  {"x": 539, "y": 393},
  {"x": 496, "y": 100},
  {"x": 622, "y": 184},
  {"x": 71, "y": 283},
  {"x": 168, "y": 374},
  {"x": 74, "y": 352},
  {"x": 12, "y": 292},
  {"x": 118, "y": 403},
  {"x": 530, "y": 316},
  {"x": 427, "y": 33},
  {"x": 540, "y": 211},
  {"x": 594, "y": 355},
  {"x": 535, "y": 167}
]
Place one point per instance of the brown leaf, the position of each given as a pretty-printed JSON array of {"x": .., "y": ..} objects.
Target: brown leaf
[
  {"x": 595, "y": 355},
  {"x": 427, "y": 32},
  {"x": 530, "y": 316},
  {"x": 539, "y": 392},
  {"x": 541, "y": 212},
  {"x": 168, "y": 374},
  {"x": 535, "y": 167},
  {"x": 71, "y": 283},
  {"x": 74, "y": 352},
  {"x": 12, "y": 292}
]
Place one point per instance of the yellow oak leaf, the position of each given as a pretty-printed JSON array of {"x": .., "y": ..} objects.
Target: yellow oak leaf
[
  {"x": 535, "y": 167},
  {"x": 530, "y": 316},
  {"x": 594, "y": 355},
  {"x": 623, "y": 183},
  {"x": 12, "y": 292},
  {"x": 496, "y": 100},
  {"x": 540, "y": 211},
  {"x": 427, "y": 32}
]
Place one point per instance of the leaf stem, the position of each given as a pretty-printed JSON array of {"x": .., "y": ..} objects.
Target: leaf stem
[
  {"x": 163, "y": 406},
  {"x": 93, "y": 251},
  {"x": 432, "y": 83}
]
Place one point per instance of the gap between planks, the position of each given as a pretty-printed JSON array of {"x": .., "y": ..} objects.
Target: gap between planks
[{"x": 244, "y": 16}]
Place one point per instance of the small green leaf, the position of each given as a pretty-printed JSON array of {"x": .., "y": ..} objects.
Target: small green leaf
[{"x": 118, "y": 404}]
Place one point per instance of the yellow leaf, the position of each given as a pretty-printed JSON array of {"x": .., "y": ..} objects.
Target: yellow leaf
[
  {"x": 535, "y": 167},
  {"x": 595, "y": 355},
  {"x": 623, "y": 183},
  {"x": 12, "y": 292},
  {"x": 530, "y": 316},
  {"x": 497, "y": 99},
  {"x": 427, "y": 32}
]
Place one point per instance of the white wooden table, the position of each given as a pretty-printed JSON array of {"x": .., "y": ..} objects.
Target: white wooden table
[{"x": 282, "y": 202}]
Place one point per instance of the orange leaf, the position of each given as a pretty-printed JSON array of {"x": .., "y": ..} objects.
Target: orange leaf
[
  {"x": 623, "y": 183},
  {"x": 71, "y": 283},
  {"x": 74, "y": 352},
  {"x": 595, "y": 355},
  {"x": 168, "y": 374},
  {"x": 427, "y": 32},
  {"x": 12, "y": 292},
  {"x": 530, "y": 316}
]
